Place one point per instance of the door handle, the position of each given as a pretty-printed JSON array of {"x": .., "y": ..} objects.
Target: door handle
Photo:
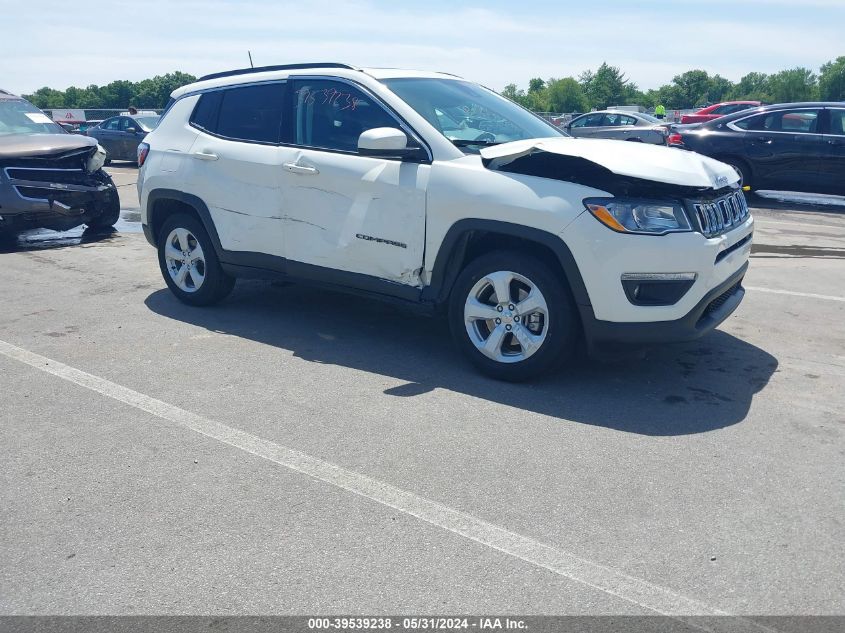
[
  {"x": 206, "y": 155},
  {"x": 300, "y": 169},
  {"x": 765, "y": 140}
]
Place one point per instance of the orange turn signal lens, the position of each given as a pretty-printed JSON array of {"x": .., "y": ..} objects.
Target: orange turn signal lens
[{"x": 606, "y": 217}]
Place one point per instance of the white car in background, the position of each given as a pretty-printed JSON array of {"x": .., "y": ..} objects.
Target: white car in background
[{"x": 424, "y": 188}]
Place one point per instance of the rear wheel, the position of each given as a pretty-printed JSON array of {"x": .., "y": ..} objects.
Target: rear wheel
[
  {"x": 189, "y": 263},
  {"x": 511, "y": 316}
]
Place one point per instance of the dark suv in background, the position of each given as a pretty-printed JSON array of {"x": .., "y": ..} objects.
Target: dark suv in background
[
  {"x": 49, "y": 178},
  {"x": 786, "y": 147}
]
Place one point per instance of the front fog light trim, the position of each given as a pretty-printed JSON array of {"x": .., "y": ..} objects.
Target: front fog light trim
[
  {"x": 659, "y": 276},
  {"x": 656, "y": 289}
]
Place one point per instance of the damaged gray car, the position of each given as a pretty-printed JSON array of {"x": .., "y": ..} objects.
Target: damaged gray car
[{"x": 49, "y": 178}]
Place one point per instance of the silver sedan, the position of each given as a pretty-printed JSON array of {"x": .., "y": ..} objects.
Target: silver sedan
[{"x": 625, "y": 126}]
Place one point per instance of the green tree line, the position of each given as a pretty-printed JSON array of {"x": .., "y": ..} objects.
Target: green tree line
[
  {"x": 604, "y": 87},
  {"x": 148, "y": 93},
  {"x": 609, "y": 86}
]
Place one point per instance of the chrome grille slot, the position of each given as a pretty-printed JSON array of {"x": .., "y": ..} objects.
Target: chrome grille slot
[{"x": 716, "y": 217}]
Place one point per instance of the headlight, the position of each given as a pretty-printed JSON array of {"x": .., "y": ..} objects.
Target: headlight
[
  {"x": 651, "y": 217},
  {"x": 98, "y": 158}
]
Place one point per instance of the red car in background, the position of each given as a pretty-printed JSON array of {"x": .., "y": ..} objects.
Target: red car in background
[{"x": 718, "y": 109}]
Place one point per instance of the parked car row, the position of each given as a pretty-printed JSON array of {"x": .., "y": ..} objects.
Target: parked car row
[{"x": 788, "y": 147}]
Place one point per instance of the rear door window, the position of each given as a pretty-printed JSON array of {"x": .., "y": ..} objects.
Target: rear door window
[
  {"x": 794, "y": 121},
  {"x": 591, "y": 120},
  {"x": 837, "y": 122},
  {"x": 251, "y": 113}
]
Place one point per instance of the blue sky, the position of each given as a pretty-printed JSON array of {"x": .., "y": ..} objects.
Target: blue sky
[{"x": 495, "y": 42}]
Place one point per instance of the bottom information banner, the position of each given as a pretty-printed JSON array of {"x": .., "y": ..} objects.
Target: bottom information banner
[{"x": 516, "y": 623}]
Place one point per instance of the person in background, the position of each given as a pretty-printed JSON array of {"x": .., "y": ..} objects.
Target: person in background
[
  {"x": 660, "y": 111},
  {"x": 133, "y": 110}
]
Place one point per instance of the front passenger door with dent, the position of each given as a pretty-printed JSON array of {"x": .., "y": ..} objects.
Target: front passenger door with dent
[{"x": 348, "y": 212}]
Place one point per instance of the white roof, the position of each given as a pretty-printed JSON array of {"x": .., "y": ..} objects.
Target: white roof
[{"x": 376, "y": 73}]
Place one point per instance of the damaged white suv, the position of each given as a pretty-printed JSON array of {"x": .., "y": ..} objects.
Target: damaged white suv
[{"x": 432, "y": 190}]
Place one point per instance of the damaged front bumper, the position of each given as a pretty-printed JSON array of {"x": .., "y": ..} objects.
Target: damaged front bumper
[
  {"x": 56, "y": 193},
  {"x": 716, "y": 306}
]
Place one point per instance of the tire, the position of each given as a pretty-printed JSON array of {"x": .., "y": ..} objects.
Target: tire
[
  {"x": 742, "y": 167},
  {"x": 553, "y": 325},
  {"x": 189, "y": 263},
  {"x": 109, "y": 218}
]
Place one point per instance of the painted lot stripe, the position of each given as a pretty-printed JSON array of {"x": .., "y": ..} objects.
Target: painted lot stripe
[
  {"x": 606, "y": 579},
  {"x": 795, "y": 294}
]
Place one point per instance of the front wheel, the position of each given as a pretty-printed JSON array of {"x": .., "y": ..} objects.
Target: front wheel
[
  {"x": 512, "y": 316},
  {"x": 189, "y": 262},
  {"x": 742, "y": 169},
  {"x": 109, "y": 217}
]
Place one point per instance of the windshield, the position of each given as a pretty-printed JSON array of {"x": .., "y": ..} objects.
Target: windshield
[
  {"x": 468, "y": 115},
  {"x": 21, "y": 117},
  {"x": 148, "y": 123}
]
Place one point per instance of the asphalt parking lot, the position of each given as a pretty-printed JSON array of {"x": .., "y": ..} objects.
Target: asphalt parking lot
[{"x": 293, "y": 451}]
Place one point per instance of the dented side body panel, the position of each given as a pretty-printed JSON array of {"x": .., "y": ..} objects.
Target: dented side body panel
[{"x": 463, "y": 188}]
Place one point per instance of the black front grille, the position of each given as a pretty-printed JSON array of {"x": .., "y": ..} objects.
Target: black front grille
[
  {"x": 72, "y": 199},
  {"x": 718, "y": 216},
  {"x": 65, "y": 176}
]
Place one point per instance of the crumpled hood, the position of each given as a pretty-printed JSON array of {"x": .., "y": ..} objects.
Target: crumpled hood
[
  {"x": 637, "y": 160},
  {"x": 37, "y": 145}
]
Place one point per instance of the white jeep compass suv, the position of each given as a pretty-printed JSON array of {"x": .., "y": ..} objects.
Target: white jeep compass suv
[{"x": 432, "y": 190}]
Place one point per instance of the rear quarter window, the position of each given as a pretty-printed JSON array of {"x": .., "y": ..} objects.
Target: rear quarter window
[{"x": 205, "y": 111}]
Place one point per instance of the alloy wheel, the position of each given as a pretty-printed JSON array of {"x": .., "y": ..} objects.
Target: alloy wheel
[
  {"x": 506, "y": 317},
  {"x": 185, "y": 260}
]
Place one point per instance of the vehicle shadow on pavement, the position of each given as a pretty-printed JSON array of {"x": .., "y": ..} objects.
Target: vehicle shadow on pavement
[{"x": 674, "y": 390}]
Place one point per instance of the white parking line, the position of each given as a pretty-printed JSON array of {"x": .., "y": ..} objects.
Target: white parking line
[
  {"x": 795, "y": 294},
  {"x": 611, "y": 581}
]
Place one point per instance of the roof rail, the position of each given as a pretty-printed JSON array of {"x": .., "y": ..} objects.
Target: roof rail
[{"x": 262, "y": 69}]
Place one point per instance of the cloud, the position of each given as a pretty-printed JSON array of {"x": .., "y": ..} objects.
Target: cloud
[{"x": 491, "y": 43}]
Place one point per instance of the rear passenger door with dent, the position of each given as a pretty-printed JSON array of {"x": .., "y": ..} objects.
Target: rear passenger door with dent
[
  {"x": 345, "y": 211},
  {"x": 235, "y": 165}
]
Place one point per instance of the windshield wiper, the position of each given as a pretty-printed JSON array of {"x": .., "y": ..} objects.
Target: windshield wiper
[{"x": 463, "y": 142}]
